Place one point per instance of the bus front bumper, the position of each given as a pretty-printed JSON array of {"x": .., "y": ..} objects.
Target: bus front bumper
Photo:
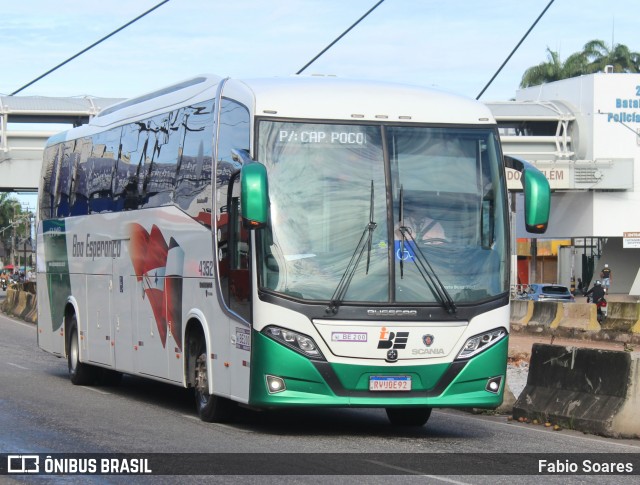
[{"x": 312, "y": 383}]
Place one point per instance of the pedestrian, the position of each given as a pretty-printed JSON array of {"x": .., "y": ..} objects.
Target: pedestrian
[
  {"x": 580, "y": 286},
  {"x": 607, "y": 276}
]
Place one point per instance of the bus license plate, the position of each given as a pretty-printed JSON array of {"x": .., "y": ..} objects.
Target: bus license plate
[{"x": 390, "y": 383}]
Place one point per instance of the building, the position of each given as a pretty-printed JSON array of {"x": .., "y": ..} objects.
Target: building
[{"x": 584, "y": 134}]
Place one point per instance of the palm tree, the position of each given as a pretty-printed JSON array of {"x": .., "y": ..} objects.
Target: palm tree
[
  {"x": 620, "y": 57},
  {"x": 554, "y": 69},
  {"x": 10, "y": 209},
  {"x": 7, "y": 206},
  {"x": 594, "y": 56}
]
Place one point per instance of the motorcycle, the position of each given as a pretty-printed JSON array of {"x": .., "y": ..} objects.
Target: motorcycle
[
  {"x": 4, "y": 284},
  {"x": 601, "y": 307},
  {"x": 602, "y": 310}
]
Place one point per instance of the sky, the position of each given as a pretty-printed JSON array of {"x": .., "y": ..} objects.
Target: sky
[{"x": 452, "y": 45}]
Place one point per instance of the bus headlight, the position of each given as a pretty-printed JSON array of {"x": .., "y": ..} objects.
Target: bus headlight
[
  {"x": 301, "y": 343},
  {"x": 480, "y": 343}
]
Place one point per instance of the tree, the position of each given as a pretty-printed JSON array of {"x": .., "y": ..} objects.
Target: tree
[
  {"x": 8, "y": 205},
  {"x": 10, "y": 212},
  {"x": 620, "y": 57},
  {"x": 595, "y": 55},
  {"x": 554, "y": 69}
]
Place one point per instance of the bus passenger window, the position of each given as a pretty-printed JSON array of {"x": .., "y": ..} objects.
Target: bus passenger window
[
  {"x": 193, "y": 192},
  {"x": 64, "y": 181},
  {"x": 166, "y": 134}
]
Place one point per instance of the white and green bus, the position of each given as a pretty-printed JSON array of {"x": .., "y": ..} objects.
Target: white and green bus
[{"x": 260, "y": 241}]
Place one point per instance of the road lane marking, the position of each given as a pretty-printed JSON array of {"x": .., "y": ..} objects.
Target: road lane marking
[
  {"x": 96, "y": 390},
  {"x": 415, "y": 472},
  {"x": 12, "y": 320},
  {"x": 544, "y": 430},
  {"x": 18, "y": 366}
]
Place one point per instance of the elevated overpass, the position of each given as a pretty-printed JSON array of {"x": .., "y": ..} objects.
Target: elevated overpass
[
  {"x": 25, "y": 124},
  {"x": 550, "y": 134}
]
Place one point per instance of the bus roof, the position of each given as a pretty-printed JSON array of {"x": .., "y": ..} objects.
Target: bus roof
[
  {"x": 300, "y": 97},
  {"x": 334, "y": 98}
]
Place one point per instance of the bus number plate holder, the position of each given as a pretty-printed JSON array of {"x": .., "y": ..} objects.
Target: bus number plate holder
[{"x": 390, "y": 383}]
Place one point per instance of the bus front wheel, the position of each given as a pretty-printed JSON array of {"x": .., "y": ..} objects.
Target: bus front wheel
[
  {"x": 79, "y": 373},
  {"x": 408, "y": 416},
  {"x": 211, "y": 408}
]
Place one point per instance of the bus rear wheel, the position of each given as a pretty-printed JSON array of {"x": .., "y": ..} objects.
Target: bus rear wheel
[
  {"x": 80, "y": 374},
  {"x": 211, "y": 408},
  {"x": 408, "y": 416}
]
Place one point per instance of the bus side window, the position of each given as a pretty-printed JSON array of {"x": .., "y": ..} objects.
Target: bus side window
[
  {"x": 52, "y": 159},
  {"x": 125, "y": 184},
  {"x": 166, "y": 134},
  {"x": 101, "y": 165},
  {"x": 64, "y": 180},
  {"x": 99, "y": 184},
  {"x": 193, "y": 192},
  {"x": 79, "y": 192}
]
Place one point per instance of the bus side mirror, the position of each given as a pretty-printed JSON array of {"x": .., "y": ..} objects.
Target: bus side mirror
[
  {"x": 254, "y": 195},
  {"x": 537, "y": 194}
]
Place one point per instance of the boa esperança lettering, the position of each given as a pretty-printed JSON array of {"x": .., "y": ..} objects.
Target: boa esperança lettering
[{"x": 95, "y": 248}]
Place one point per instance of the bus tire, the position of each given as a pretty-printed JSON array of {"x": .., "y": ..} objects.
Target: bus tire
[
  {"x": 211, "y": 408},
  {"x": 408, "y": 416},
  {"x": 80, "y": 374}
]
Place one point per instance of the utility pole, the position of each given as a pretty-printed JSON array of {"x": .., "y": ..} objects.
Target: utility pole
[{"x": 13, "y": 239}]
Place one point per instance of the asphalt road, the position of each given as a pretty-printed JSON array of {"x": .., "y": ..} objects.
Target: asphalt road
[{"x": 42, "y": 412}]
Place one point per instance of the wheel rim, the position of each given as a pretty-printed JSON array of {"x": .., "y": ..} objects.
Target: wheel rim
[
  {"x": 73, "y": 352},
  {"x": 202, "y": 383}
]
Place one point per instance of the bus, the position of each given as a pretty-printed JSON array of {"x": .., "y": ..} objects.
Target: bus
[{"x": 258, "y": 241}]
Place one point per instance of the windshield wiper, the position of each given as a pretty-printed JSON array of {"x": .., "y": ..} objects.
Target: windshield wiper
[
  {"x": 425, "y": 269},
  {"x": 350, "y": 271}
]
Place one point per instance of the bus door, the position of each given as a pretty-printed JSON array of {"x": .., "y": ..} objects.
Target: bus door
[
  {"x": 98, "y": 330},
  {"x": 235, "y": 288},
  {"x": 239, "y": 299},
  {"x": 150, "y": 329},
  {"x": 122, "y": 290}
]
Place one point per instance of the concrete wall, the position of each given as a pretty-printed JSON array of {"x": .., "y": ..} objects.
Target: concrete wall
[
  {"x": 594, "y": 391},
  {"x": 623, "y": 317},
  {"x": 21, "y": 302}
]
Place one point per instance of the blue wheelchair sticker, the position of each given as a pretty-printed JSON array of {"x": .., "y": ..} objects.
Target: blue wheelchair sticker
[{"x": 406, "y": 253}]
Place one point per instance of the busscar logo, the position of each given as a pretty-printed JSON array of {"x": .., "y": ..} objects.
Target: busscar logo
[
  {"x": 391, "y": 313},
  {"x": 392, "y": 340}
]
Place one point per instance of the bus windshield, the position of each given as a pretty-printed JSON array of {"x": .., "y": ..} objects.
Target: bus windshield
[{"x": 415, "y": 193}]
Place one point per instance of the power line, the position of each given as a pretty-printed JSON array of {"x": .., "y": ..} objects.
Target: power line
[
  {"x": 514, "y": 50},
  {"x": 339, "y": 37},
  {"x": 90, "y": 47}
]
